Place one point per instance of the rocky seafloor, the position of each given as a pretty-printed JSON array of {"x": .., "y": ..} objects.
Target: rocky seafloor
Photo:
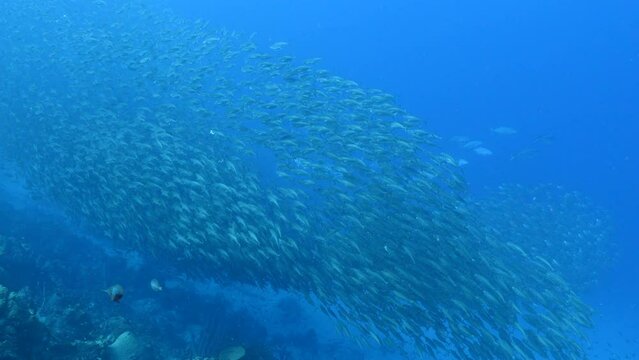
[{"x": 53, "y": 304}]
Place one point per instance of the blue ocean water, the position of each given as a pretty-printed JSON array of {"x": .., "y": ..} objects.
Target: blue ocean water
[
  {"x": 568, "y": 70},
  {"x": 559, "y": 78}
]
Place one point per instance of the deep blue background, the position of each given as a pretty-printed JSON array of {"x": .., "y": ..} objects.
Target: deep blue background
[
  {"x": 569, "y": 69},
  {"x": 565, "y": 68}
]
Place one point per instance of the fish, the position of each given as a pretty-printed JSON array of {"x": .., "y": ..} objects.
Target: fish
[
  {"x": 163, "y": 183},
  {"x": 544, "y": 139},
  {"x": 155, "y": 285},
  {"x": 533, "y": 148},
  {"x": 460, "y": 139},
  {"x": 278, "y": 45},
  {"x": 483, "y": 151},
  {"x": 115, "y": 292},
  {"x": 525, "y": 153},
  {"x": 504, "y": 130},
  {"x": 472, "y": 144},
  {"x": 551, "y": 245}
]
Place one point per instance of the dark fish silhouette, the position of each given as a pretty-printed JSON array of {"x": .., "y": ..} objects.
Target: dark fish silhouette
[{"x": 115, "y": 292}]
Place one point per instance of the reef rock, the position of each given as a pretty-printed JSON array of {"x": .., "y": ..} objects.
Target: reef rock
[
  {"x": 22, "y": 336},
  {"x": 125, "y": 347}
]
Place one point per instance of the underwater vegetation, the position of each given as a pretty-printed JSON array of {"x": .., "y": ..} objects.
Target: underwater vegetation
[
  {"x": 242, "y": 164},
  {"x": 546, "y": 221}
]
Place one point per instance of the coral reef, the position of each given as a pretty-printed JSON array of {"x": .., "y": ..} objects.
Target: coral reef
[
  {"x": 22, "y": 336},
  {"x": 2, "y": 250},
  {"x": 61, "y": 311}
]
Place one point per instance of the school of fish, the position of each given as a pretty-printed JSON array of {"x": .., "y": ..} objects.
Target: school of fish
[
  {"x": 563, "y": 227},
  {"x": 241, "y": 163}
]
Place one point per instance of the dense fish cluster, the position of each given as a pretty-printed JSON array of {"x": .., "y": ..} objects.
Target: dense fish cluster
[
  {"x": 548, "y": 222},
  {"x": 194, "y": 145}
]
